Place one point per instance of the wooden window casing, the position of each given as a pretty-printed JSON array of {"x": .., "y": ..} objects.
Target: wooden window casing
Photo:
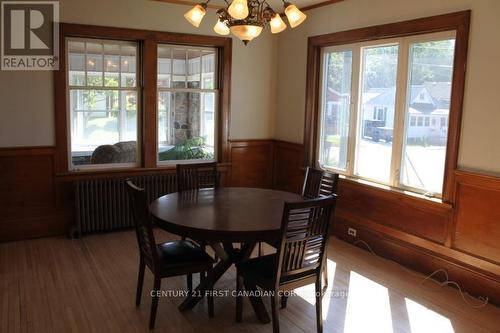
[
  {"x": 147, "y": 126},
  {"x": 458, "y": 22}
]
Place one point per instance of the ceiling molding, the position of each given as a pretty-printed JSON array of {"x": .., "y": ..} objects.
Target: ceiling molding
[
  {"x": 192, "y": 3},
  {"x": 321, "y": 4},
  {"x": 188, "y": 3}
]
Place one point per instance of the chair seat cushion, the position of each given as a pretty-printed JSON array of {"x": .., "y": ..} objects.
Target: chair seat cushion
[
  {"x": 264, "y": 269},
  {"x": 182, "y": 252}
]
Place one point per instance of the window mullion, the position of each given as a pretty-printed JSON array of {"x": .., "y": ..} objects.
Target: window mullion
[
  {"x": 321, "y": 105},
  {"x": 171, "y": 98},
  {"x": 354, "y": 111},
  {"x": 85, "y": 64},
  {"x": 400, "y": 113}
]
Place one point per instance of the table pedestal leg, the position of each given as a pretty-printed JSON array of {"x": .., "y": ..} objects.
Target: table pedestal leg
[
  {"x": 256, "y": 301},
  {"x": 257, "y": 304},
  {"x": 228, "y": 256},
  {"x": 212, "y": 277}
]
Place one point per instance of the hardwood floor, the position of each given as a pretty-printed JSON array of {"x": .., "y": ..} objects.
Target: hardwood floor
[{"x": 88, "y": 285}]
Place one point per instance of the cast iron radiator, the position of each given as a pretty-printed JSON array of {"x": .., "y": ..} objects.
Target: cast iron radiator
[{"x": 103, "y": 204}]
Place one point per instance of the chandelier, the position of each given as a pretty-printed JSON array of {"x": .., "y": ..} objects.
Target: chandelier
[{"x": 247, "y": 18}]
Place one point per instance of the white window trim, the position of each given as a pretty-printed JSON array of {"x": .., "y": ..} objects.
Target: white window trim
[{"x": 401, "y": 116}]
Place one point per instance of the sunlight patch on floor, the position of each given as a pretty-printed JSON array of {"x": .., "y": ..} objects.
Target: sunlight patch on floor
[
  {"x": 423, "y": 320},
  {"x": 368, "y": 306},
  {"x": 307, "y": 293}
]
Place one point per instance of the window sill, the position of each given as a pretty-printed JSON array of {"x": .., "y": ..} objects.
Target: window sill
[
  {"x": 94, "y": 173},
  {"x": 397, "y": 193}
]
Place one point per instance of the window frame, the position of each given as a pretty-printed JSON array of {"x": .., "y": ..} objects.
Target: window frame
[
  {"x": 458, "y": 22},
  {"x": 147, "y": 53}
]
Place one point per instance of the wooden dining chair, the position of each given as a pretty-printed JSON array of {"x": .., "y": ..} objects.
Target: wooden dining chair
[
  {"x": 298, "y": 261},
  {"x": 197, "y": 176},
  {"x": 318, "y": 183},
  {"x": 168, "y": 259}
]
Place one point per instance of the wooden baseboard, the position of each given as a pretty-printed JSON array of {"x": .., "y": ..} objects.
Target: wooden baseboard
[{"x": 473, "y": 280}]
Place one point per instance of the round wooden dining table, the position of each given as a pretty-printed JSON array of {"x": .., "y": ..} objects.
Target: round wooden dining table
[{"x": 221, "y": 217}]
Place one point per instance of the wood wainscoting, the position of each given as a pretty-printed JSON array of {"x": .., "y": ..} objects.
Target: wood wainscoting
[
  {"x": 29, "y": 203},
  {"x": 476, "y": 227},
  {"x": 251, "y": 163},
  {"x": 288, "y": 166},
  {"x": 416, "y": 232},
  {"x": 36, "y": 201}
]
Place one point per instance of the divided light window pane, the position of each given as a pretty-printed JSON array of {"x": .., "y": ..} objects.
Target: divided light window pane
[
  {"x": 208, "y": 60},
  {"x": 194, "y": 69},
  {"x": 335, "y": 109},
  {"x": 377, "y": 107},
  {"x": 179, "y": 69},
  {"x": 103, "y": 99},
  {"x": 187, "y": 96},
  {"x": 427, "y": 111}
]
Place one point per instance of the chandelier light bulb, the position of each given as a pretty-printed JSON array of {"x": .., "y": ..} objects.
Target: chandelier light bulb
[
  {"x": 294, "y": 15},
  {"x": 195, "y": 15},
  {"x": 277, "y": 24},
  {"x": 238, "y": 9}
]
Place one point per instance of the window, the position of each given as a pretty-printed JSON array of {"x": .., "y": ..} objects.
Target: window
[
  {"x": 381, "y": 114},
  {"x": 430, "y": 68},
  {"x": 443, "y": 122},
  {"x": 413, "y": 121},
  {"x": 420, "y": 121},
  {"x": 127, "y": 98},
  {"x": 383, "y": 132},
  {"x": 336, "y": 106},
  {"x": 103, "y": 102},
  {"x": 187, "y": 95},
  {"x": 378, "y": 78}
]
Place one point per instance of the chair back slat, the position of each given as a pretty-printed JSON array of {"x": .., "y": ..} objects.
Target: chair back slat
[
  {"x": 196, "y": 176},
  {"x": 304, "y": 230},
  {"x": 143, "y": 225},
  {"x": 319, "y": 183}
]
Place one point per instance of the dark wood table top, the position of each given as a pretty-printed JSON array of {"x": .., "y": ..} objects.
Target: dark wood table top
[{"x": 226, "y": 214}]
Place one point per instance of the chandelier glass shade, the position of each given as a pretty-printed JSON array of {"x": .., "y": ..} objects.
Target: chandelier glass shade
[
  {"x": 195, "y": 15},
  {"x": 294, "y": 15},
  {"x": 238, "y": 9},
  {"x": 246, "y": 32},
  {"x": 247, "y": 18},
  {"x": 221, "y": 28}
]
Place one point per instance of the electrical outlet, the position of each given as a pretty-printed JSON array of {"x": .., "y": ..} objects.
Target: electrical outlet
[{"x": 352, "y": 232}]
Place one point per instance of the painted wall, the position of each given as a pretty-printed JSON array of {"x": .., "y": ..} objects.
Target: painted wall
[
  {"x": 480, "y": 141},
  {"x": 27, "y": 107},
  {"x": 27, "y": 97}
]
